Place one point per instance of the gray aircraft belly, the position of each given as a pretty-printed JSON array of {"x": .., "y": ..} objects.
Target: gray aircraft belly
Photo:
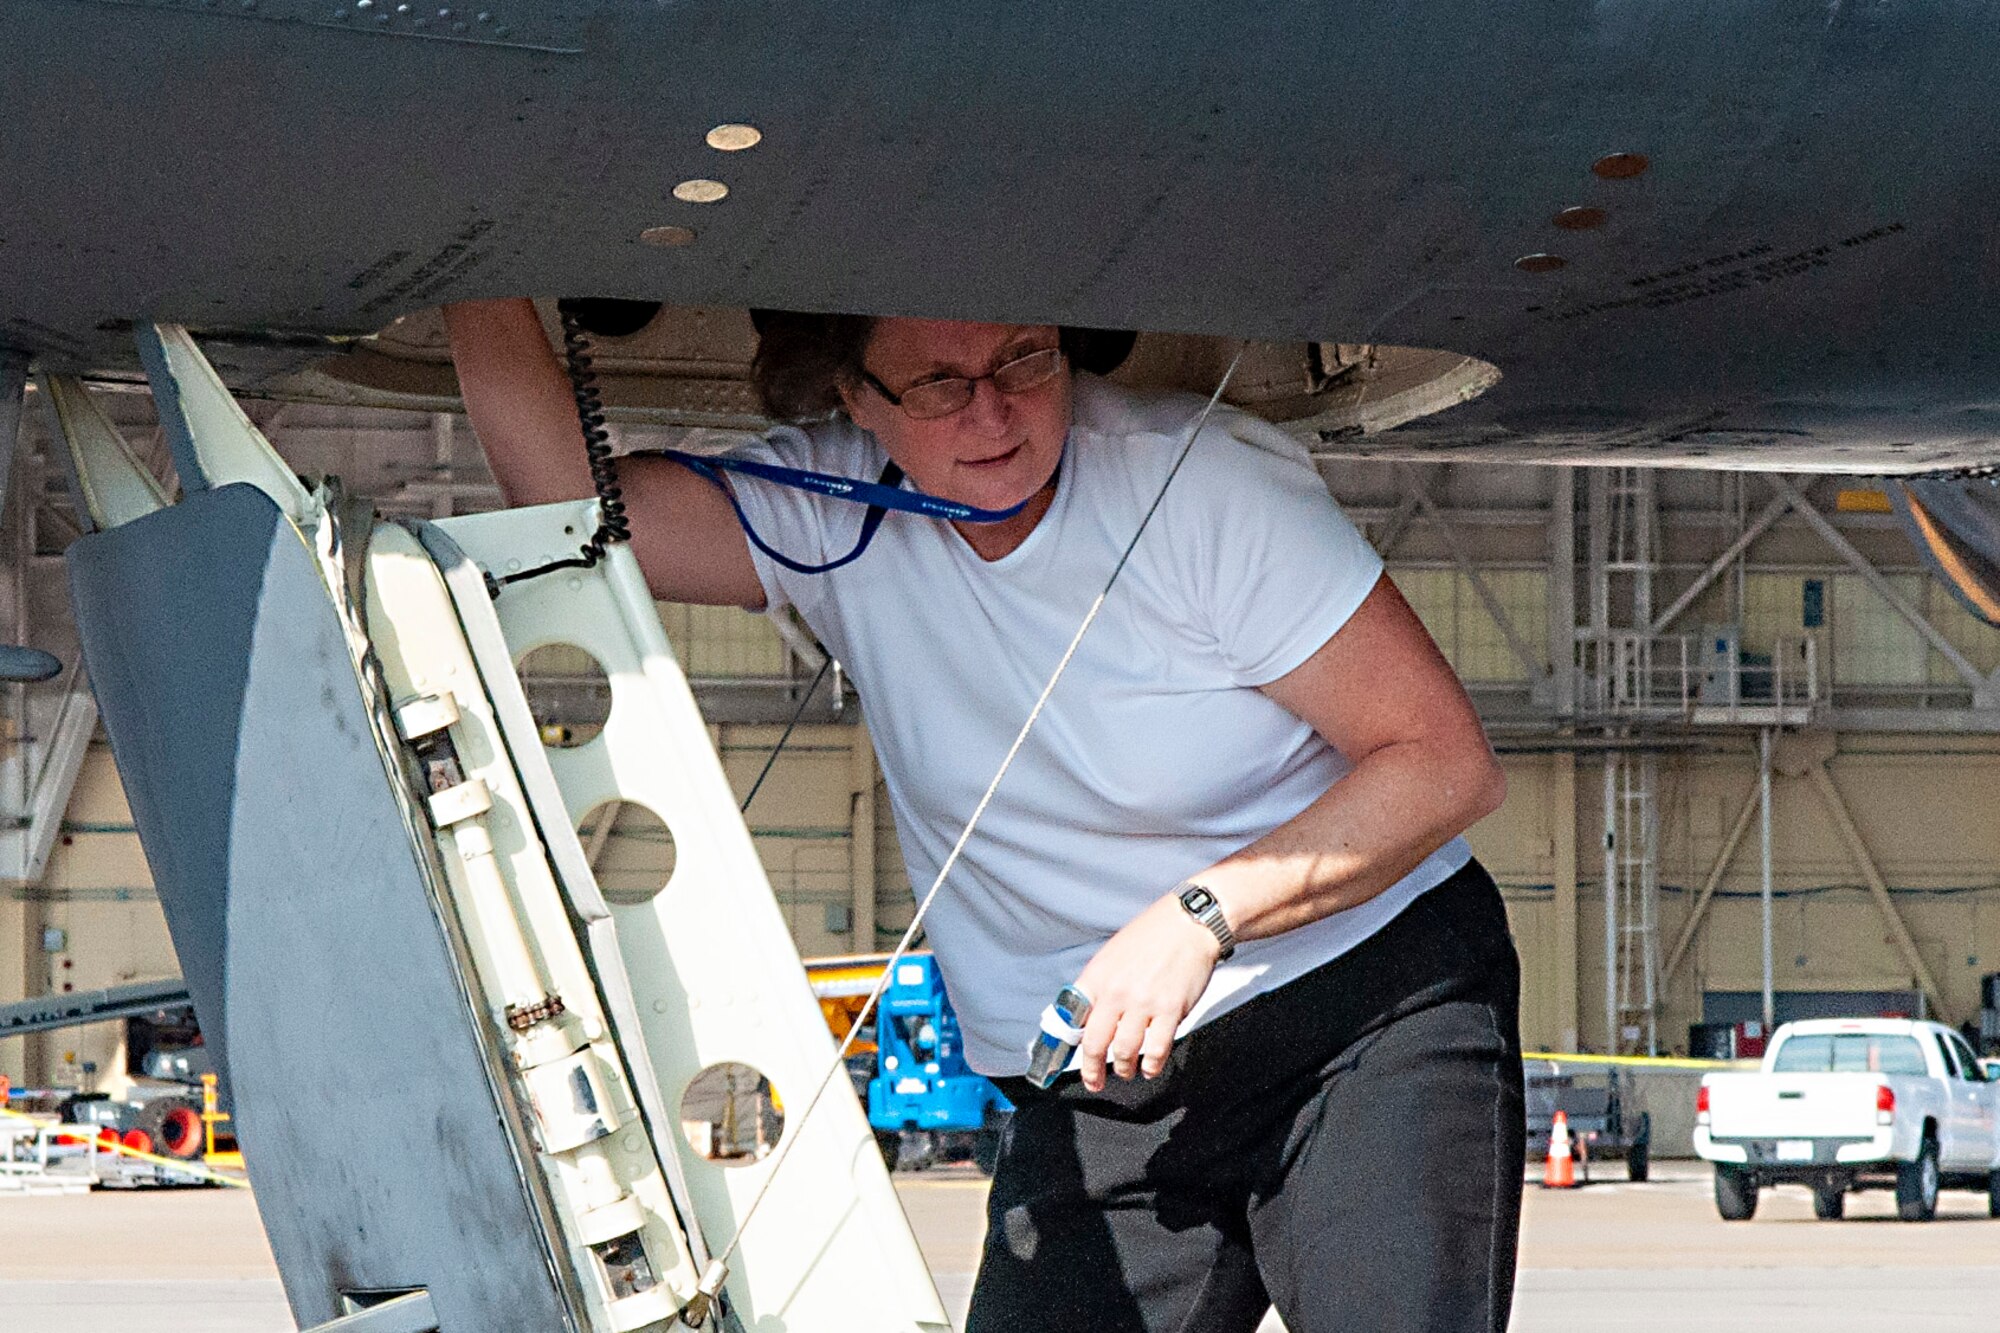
[{"x": 1804, "y": 271}]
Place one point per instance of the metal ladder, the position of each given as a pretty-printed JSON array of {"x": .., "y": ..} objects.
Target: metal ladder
[
  {"x": 1624, "y": 562},
  {"x": 1632, "y": 900}
]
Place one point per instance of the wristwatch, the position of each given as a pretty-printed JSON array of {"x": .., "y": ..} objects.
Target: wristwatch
[{"x": 1200, "y": 904}]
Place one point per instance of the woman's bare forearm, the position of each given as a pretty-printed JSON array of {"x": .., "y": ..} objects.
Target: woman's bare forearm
[
  {"x": 1379, "y": 692},
  {"x": 1367, "y": 831},
  {"x": 519, "y": 401},
  {"x": 683, "y": 530}
]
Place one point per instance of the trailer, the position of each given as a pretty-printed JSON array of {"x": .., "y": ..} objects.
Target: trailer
[{"x": 1597, "y": 1104}]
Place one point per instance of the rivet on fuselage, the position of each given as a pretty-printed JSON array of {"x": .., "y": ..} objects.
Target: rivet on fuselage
[
  {"x": 701, "y": 191},
  {"x": 1620, "y": 166},
  {"x": 1579, "y": 219},
  {"x": 734, "y": 138}
]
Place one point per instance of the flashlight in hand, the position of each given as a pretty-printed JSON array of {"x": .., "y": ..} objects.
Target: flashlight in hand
[{"x": 1062, "y": 1032}]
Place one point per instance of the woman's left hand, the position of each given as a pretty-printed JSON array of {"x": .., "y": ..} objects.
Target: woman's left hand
[{"x": 1141, "y": 985}]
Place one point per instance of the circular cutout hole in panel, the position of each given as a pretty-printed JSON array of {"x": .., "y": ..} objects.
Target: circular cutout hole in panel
[
  {"x": 731, "y": 1114},
  {"x": 568, "y": 693},
  {"x": 630, "y": 850}
]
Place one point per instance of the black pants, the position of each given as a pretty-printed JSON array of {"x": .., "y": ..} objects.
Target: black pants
[{"x": 1347, "y": 1147}]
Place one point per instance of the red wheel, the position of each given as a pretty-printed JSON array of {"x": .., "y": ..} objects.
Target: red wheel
[
  {"x": 181, "y": 1133},
  {"x": 175, "y": 1127},
  {"x": 138, "y": 1140}
]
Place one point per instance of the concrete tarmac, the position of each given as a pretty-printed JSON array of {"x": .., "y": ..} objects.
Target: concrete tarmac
[{"x": 1612, "y": 1256}]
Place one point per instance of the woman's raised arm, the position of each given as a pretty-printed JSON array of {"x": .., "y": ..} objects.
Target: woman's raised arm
[{"x": 683, "y": 531}]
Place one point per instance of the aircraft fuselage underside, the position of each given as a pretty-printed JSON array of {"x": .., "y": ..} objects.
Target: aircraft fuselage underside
[{"x": 1717, "y": 235}]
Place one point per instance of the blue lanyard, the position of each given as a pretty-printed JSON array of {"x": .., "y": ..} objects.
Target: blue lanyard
[{"x": 880, "y": 497}]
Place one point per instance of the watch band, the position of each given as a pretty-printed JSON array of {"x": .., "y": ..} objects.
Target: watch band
[{"x": 1200, "y": 903}]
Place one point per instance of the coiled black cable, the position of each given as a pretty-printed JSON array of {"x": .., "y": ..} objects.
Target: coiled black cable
[{"x": 613, "y": 525}]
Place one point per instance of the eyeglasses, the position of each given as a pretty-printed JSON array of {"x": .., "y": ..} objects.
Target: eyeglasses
[{"x": 940, "y": 398}]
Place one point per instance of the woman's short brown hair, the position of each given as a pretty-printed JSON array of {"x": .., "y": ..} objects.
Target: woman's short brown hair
[{"x": 803, "y": 360}]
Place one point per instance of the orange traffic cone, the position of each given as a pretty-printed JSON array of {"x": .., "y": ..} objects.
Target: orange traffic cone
[{"x": 1559, "y": 1171}]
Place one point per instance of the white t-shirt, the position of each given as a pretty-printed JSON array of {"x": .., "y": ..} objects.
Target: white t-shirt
[{"x": 1156, "y": 756}]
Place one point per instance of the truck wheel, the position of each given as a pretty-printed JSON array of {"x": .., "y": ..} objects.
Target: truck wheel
[
  {"x": 1639, "y": 1156},
  {"x": 1993, "y": 1195},
  {"x": 1735, "y": 1194},
  {"x": 891, "y": 1146},
  {"x": 175, "y": 1127},
  {"x": 1917, "y": 1184},
  {"x": 1829, "y": 1200}
]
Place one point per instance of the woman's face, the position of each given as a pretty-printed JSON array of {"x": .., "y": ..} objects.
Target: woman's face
[{"x": 997, "y": 450}]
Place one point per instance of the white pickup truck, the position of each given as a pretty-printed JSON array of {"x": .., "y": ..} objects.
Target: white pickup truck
[{"x": 1847, "y": 1104}]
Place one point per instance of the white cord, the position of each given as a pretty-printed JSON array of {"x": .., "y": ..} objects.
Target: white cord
[{"x": 965, "y": 836}]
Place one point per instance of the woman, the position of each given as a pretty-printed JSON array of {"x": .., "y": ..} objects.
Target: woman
[{"x": 1235, "y": 828}]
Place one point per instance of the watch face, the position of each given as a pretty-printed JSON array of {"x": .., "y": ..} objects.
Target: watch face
[{"x": 1197, "y": 899}]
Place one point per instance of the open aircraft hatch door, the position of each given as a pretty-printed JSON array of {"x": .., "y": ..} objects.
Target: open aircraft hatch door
[{"x": 473, "y": 1094}]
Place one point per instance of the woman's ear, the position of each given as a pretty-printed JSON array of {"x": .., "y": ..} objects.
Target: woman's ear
[
  {"x": 848, "y": 392},
  {"x": 864, "y": 407}
]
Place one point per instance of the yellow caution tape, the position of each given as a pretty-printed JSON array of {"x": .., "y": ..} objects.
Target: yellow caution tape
[
  {"x": 116, "y": 1147},
  {"x": 1640, "y": 1061}
]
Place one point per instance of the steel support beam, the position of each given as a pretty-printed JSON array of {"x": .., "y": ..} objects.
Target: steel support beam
[
  {"x": 1972, "y": 675},
  {"x": 20, "y": 922},
  {"x": 1757, "y": 527},
  {"x": 1599, "y": 551},
  {"x": 1530, "y": 668},
  {"x": 1613, "y": 1040},
  {"x": 1398, "y": 522},
  {"x": 1562, "y": 591},
  {"x": 1764, "y": 872},
  {"x": 861, "y": 839},
  {"x": 1562, "y": 820},
  {"x": 1716, "y": 870},
  {"x": 1899, "y": 932}
]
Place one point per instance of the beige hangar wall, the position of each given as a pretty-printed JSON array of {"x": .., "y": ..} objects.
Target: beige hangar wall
[
  {"x": 1921, "y": 803},
  {"x": 1923, "y": 806}
]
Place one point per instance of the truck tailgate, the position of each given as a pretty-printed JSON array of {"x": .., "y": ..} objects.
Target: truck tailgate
[{"x": 1792, "y": 1106}]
